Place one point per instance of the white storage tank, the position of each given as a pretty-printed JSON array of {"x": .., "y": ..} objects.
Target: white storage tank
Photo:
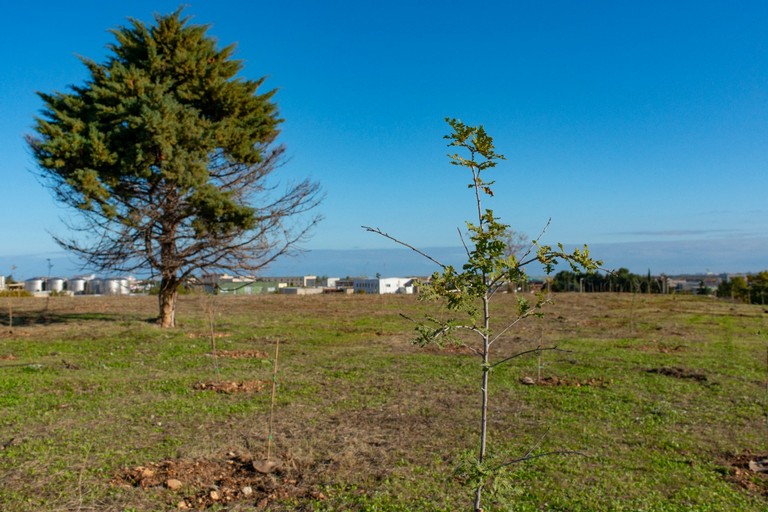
[
  {"x": 115, "y": 286},
  {"x": 93, "y": 286},
  {"x": 54, "y": 284},
  {"x": 76, "y": 285},
  {"x": 34, "y": 285}
]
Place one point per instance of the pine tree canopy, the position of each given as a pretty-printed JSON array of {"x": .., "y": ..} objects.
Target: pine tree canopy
[{"x": 165, "y": 152}]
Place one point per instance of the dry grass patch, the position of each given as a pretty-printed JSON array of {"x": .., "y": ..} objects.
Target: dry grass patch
[{"x": 229, "y": 387}]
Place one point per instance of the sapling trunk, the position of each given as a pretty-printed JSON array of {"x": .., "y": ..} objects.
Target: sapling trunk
[
  {"x": 272, "y": 401},
  {"x": 483, "y": 419}
]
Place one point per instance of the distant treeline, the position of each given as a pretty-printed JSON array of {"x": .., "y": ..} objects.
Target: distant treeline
[
  {"x": 752, "y": 288},
  {"x": 621, "y": 280}
]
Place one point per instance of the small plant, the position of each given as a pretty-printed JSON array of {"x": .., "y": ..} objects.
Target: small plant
[
  {"x": 208, "y": 303},
  {"x": 467, "y": 292}
]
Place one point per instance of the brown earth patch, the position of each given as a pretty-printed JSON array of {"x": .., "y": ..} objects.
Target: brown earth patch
[
  {"x": 229, "y": 387},
  {"x": 8, "y": 357},
  {"x": 558, "y": 381},
  {"x": 241, "y": 354},
  {"x": 679, "y": 373},
  {"x": 208, "y": 335},
  {"x": 749, "y": 471},
  {"x": 200, "y": 484}
]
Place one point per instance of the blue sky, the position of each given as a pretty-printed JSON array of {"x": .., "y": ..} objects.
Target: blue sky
[{"x": 634, "y": 125}]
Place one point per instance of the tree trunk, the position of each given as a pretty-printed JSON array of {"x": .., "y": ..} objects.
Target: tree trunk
[
  {"x": 484, "y": 403},
  {"x": 167, "y": 297},
  {"x": 483, "y": 426}
]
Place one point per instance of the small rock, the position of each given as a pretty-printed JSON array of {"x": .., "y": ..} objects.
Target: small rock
[
  {"x": 182, "y": 505},
  {"x": 266, "y": 466},
  {"x": 173, "y": 484},
  {"x": 759, "y": 466},
  {"x": 215, "y": 495},
  {"x": 247, "y": 490},
  {"x": 527, "y": 381},
  {"x": 147, "y": 473}
]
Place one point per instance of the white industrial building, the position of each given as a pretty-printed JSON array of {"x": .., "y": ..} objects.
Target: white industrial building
[{"x": 384, "y": 285}]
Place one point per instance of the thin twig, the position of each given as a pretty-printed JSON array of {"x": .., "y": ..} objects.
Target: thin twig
[
  {"x": 409, "y": 246},
  {"x": 464, "y": 243},
  {"x": 533, "y": 350},
  {"x": 445, "y": 329},
  {"x": 538, "y": 456},
  {"x": 529, "y": 455},
  {"x": 533, "y": 244},
  {"x": 508, "y": 327}
]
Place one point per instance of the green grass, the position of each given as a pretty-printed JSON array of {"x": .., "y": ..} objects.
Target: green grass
[{"x": 369, "y": 421}]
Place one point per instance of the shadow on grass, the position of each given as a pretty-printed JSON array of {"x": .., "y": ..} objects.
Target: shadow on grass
[{"x": 46, "y": 318}]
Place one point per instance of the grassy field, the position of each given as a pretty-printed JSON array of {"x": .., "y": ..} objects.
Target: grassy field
[{"x": 665, "y": 397}]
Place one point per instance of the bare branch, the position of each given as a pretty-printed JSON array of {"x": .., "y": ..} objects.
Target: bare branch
[
  {"x": 463, "y": 242},
  {"x": 538, "y": 456},
  {"x": 533, "y": 244},
  {"x": 531, "y": 351},
  {"x": 404, "y": 244}
]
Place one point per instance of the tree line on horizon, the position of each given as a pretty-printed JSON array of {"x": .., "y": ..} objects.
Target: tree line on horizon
[{"x": 751, "y": 288}]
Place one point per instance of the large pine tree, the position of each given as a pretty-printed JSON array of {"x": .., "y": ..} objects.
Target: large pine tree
[{"x": 165, "y": 152}]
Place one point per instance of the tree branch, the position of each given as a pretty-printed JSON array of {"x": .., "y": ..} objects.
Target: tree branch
[
  {"x": 409, "y": 246},
  {"x": 537, "y": 349}
]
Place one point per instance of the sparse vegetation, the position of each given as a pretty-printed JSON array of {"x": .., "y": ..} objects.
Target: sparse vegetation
[{"x": 669, "y": 415}]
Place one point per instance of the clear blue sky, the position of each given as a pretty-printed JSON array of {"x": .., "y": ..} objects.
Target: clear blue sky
[{"x": 624, "y": 122}]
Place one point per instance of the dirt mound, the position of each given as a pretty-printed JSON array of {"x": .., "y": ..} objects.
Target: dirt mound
[
  {"x": 679, "y": 373},
  {"x": 749, "y": 471},
  {"x": 226, "y": 386},
  {"x": 558, "y": 381},
  {"x": 204, "y": 483},
  {"x": 241, "y": 354}
]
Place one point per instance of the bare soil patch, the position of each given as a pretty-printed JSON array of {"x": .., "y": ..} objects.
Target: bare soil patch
[
  {"x": 7, "y": 357},
  {"x": 749, "y": 471},
  {"x": 679, "y": 373},
  {"x": 241, "y": 354},
  {"x": 208, "y": 335},
  {"x": 199, "y": 484},
  {"x": 560, "y": 381},
  {"x": 229, "y": 387}
]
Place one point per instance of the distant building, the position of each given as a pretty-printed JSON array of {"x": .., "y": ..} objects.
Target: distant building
[
  {"x": 691, "y": 283},
  {"x": 295, "y": 281},
  {"x": 327, "y": 282},
  {"x": 237, "y": 285},
  {"x": 295, "y": 290},
  {"x": 384, "y": 285}
]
